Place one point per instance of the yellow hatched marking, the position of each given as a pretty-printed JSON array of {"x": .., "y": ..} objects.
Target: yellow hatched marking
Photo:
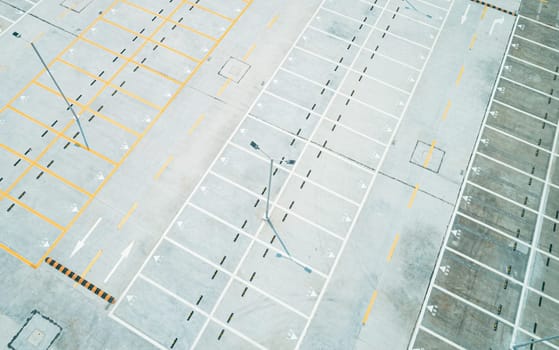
[
  {"x": 446, "y": 109},
  {"x": 369, "y": 307},
  {"x": 203, "y": 8},
  {"x": 178, "y": 24},
  {"x": 196, "y": 124},
  {"x": 473, "y": 41},
  {"x": 90, "y": 265},
  {"x": 223, "y": 87},
  {"x": 45, "y": 169},
  {"x": 162, "y": 169},
  {"x": 393, "y": 247},
  {"x": 459, "y": 78},
  {"x": 249, "y": 52},
  {"x": 127, "y": 216},
  {"x": 413, "y": 194},
  {"x": 429, "y": 154},
  {"x": 272, "y": 21}
]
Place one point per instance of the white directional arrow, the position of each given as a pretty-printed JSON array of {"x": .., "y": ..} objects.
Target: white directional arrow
[
  {"x": 496, "y": 21},
  {"x": 130, "y": 298},
  {"x": 465, "y": 15},
  {"x": 123, "y": 256},
  {"x": 456, "y": 233},
  {"x": 81, "y": 242},
  {"x": 157, "y": 258},
  {"x": 45, "y": 243},
  {"x": 291, "y": 335},
  {"x": 312, "y": 293}
]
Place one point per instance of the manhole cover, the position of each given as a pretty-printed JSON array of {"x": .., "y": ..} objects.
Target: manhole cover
[
  {"x": 427, "y": 158},
  {"x": 234, "y": 69},
  {"x": 37, "y": 333}
]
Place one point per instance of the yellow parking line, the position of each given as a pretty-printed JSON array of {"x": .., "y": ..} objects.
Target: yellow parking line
[
  {"x": 118, "y": 88},
  {"x": 16, "y": 254},
  {"x": 446, "y": 109},
  {"x": 162, "y": 169},
  {"x": 61, "y": 135},
  {"x": 114, "y": 53},
  {"x": 429, "y": 154},
  {"x": 393, "y": 247},
  {"x": 146, "y": 130},
  {"x": 369, "y": 307},
  {"x": 473, "y": 41},
  {"x": 90, "y": 265},
  {"x": 33, "y": 211},
  {"x": 196, "y": 124},
  {"x": 272, "y": 21},
  {"x": 178, "y": 24},
  {"x": 127, "y": 216},
  {"x": 45, "y": 169},
  {"x": 460, "y": 75},
  {"x": 223, "y": 87},
  {"x": 38, "y": 37},
  {"x": 249, "y": 52},
  {"x": 413, "y": 194},
  {"x": 150, "y": 39},
  {"x": 203, "y": 8},
  {"x": 483, "y": 12}
]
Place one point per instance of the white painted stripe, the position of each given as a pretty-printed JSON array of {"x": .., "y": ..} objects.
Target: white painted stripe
[
  {"x": 136, "y": 331},
  {"x": 546, "y": 94},
  {"x": 527, "y": 143},
  {"x": 532, "y": 64},
  {"x": 538, "y": 22},
  {"x": 536, "y": 43},
  {"x": 440, "y": 337},
  {"x": 7, "y": 19},
  {"x": 498, "y": 195},
  {"x": 495, "y": 100},
  {"x": 249, "y": 236},
  {"x": 509, "y": 166}
]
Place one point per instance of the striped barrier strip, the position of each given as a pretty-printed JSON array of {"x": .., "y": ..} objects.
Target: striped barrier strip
[
  {"x": 82, "y": 281},
  {"x": 495, "y": 7}
]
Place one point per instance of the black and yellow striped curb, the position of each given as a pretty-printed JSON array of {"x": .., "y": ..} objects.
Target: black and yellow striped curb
[
  {"x": 496, "y": 7},
  {"x": 79, "y": 279}
]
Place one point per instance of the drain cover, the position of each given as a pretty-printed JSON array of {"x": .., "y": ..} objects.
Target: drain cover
[{"x": 37, "y": 333}]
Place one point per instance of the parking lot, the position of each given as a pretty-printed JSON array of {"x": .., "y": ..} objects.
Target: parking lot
[{"x": 496, "y": 277}]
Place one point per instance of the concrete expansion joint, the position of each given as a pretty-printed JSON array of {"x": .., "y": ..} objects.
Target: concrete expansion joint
[{"x": 419, "y": 189}]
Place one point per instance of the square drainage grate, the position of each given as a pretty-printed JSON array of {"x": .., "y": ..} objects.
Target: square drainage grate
[
  {"x": 37, "y": 333},
  {"x": 234, "y": 69},
  {"x": 421, "y": 153}
]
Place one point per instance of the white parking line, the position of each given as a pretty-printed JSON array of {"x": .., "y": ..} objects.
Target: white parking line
[
  {"x": 440, "y": 337},
  {"x": 383, "y": 157},
  {"x": 251, "y": 243},
  {"x": 300, "y": 177},
  {"x": 536, "y": 43},
  {"x": 498, "y": 195},
  {"x": 7, "y": 19},
  {"x": 546, "y": 94},
  {"x": 205, "y": 314},
  {"x": 249, "y": 236},
  {"x": 539, "y": 22},
  {"x": 495, "y": 100},
  {"x": 378, "y": 29},
  {"x": 386, "y": 9},
  {"x": 509, "y": 166},
  {"x": 313, "y": 144},
  {"x": 527, "y": 143},
  {"x": 532, "y": 64},
  {"x": 492, "y": 228},
  {"x": 289, "y": 211},
  {"x": 473, "y": 305},
  {"x": 380, "y": 81},
  {"x": 6, "y": 30},
  {"x": 137, "y": 331}
]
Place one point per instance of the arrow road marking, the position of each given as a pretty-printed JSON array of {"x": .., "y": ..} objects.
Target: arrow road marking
[
  {"x": 123, "y": 256},
  {"x": 496, "y": 21},
  {"x": 465, "y": 15},
  {"x": 81, "y": 243}
]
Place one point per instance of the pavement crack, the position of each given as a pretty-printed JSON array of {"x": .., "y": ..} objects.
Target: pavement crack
[{"x": 419, "y": 189}]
